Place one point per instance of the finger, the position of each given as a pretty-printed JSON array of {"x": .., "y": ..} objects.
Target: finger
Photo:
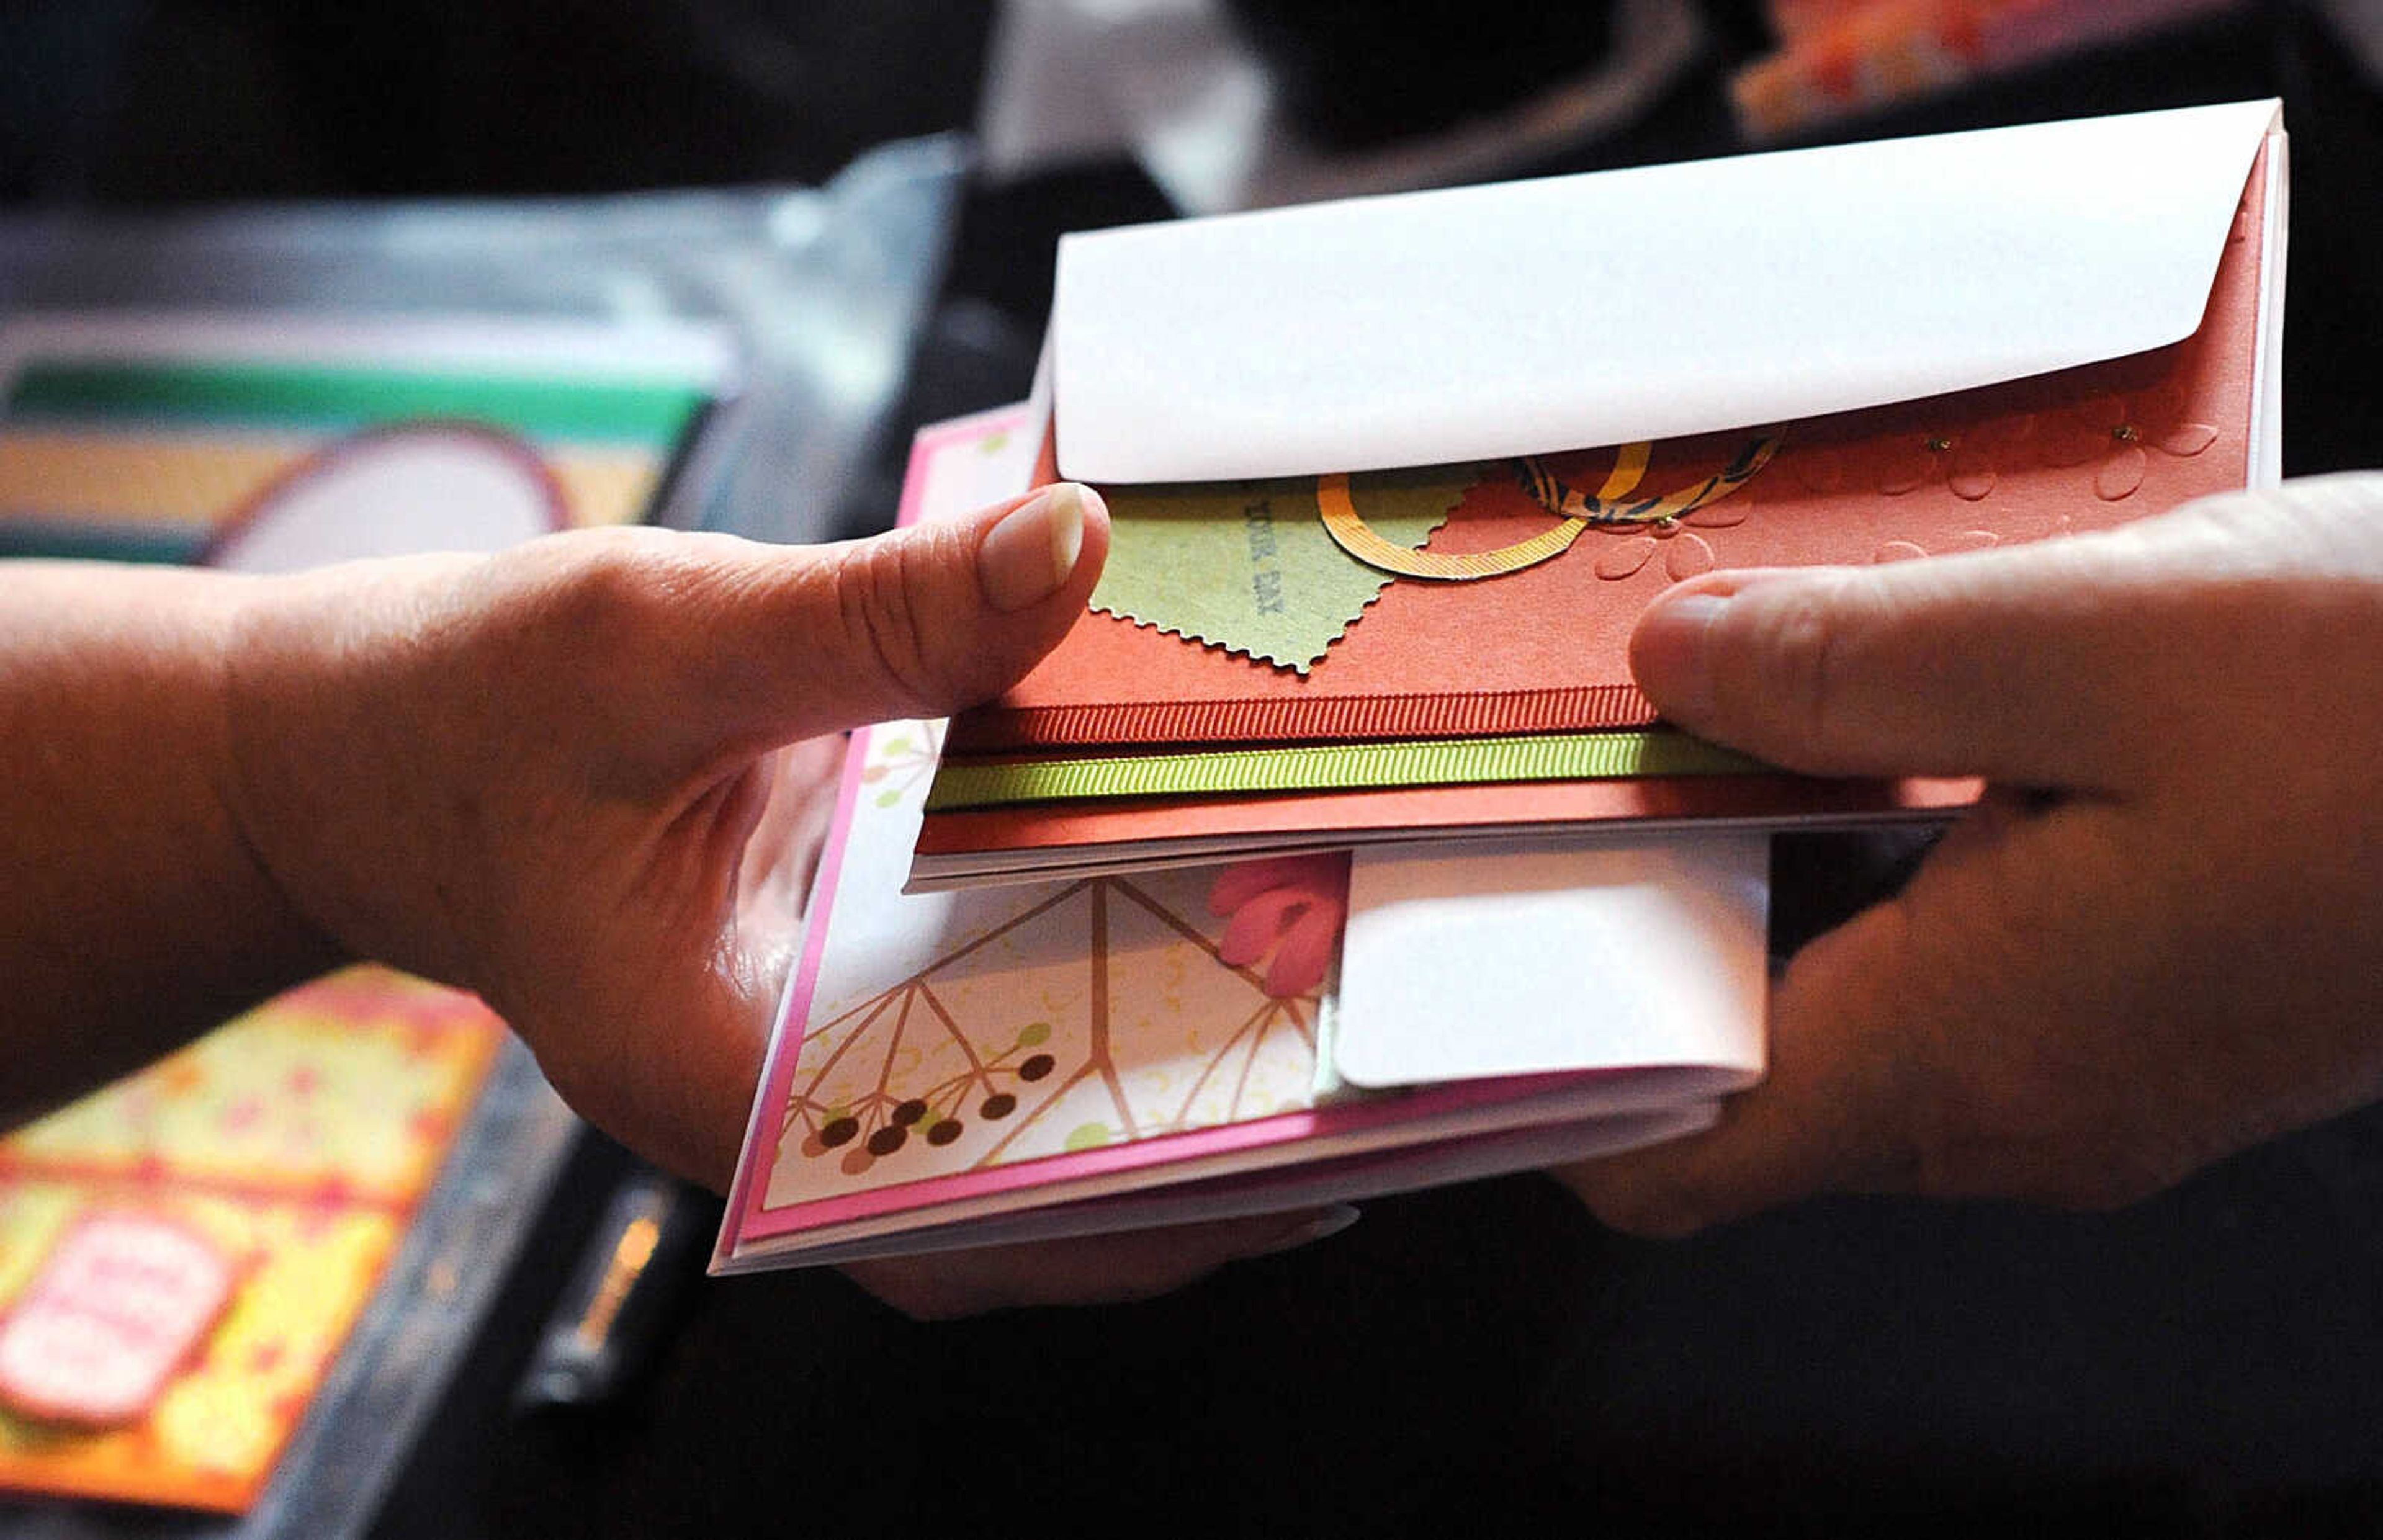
[
  {"x": 1825, "y": 1119},
  {"x": 1911, "y": 1049},
  {"x": 917, "y": 623},
  {"x": 1109, "y": 1269},
  {"x": 2025, "y": 665}
]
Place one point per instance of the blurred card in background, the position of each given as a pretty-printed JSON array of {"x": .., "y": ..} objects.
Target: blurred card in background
[
  {"x": 294, "y": 1143},
  {"x": 292, "y": 1147},
  {"x": 150, "y": 439}
]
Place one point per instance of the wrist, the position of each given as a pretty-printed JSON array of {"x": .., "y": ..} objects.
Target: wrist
[
  {"x": 244, "y": 648},
  {"x": 334, "y": 750},
  {"x": 134, "y": 916}
]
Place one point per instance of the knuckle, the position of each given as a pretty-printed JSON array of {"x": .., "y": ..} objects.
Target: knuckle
[
  {"x": 1631, "y": 1204},
  {"x": 922, "y": 1291},
  {"x": 1800, "y": 647},
  {"x": 627, "y": 604},
  {"x": 2112, "y": 1180},
  {"x": 2011, "y": 1145},
  {"x": 2101, "y": 1191},
  {"x": 616, "y": 587},
  {"x": 881, "y": 626},
  {"x": 1658, "y": 1219},
  {"x": 569, "y": 1076}
]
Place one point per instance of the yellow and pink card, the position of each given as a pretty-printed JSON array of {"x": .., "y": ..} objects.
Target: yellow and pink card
[{"x": 292, "y": 1145}]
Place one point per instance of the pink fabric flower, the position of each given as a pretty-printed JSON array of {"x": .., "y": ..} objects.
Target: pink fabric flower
[{"x": 1285, "y": 912}]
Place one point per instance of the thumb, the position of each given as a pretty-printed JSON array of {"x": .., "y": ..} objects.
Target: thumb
[
  {"x": 916, "y": 622},
  {"x": 2012, "y": 664}
]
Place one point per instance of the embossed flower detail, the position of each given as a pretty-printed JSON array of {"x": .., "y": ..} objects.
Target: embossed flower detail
[
  {"x": 2113, "y": 434},
  {"x": 1967, "y": 461},
  {"x": 1286, "y": 914},
  {"x": 1824, "y": 468},
  {"x": 1685, "y": 553}
]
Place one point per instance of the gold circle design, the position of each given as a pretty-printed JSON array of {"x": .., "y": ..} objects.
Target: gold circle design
[
  {"x": 1606, "y": 508},
  {"x": 1355, "y": 536}
]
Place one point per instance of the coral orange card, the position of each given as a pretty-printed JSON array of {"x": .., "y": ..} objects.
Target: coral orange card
[
  {"x": 1540, "y": 647},
  {"x": 1330, "y": 657}
]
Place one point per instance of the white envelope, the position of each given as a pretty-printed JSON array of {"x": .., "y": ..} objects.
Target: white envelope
[
  {"x": 1575, "y": 312},
  {"x": 1466, "y": 960}
]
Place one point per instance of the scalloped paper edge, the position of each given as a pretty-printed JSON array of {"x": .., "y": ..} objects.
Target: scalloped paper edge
[{"x": 1233, "y": 649}]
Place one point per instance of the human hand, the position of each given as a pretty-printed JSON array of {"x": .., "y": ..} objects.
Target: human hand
[
  {"x": 586, "y": 777},
  {"x": 1087, "y": 1270},
  {"x": 2157, "y": 941},
  {"x": 589, "y": 778}
]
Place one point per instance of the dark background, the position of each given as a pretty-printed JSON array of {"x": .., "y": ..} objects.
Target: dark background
[{"x": 1481, "y": 1359}]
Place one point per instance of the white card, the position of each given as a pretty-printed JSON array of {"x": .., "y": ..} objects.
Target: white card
[{"x": 1464, "y": 961}]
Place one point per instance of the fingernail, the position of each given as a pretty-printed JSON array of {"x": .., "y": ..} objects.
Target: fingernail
[
  {"x": 1029, "y": 555},
  {"x": 1667, "y": 654},
  {"x": 1325, "y": 1225}
]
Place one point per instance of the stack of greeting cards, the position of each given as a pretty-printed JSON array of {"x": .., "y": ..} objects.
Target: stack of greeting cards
[{"x": 1390, "y": 482}]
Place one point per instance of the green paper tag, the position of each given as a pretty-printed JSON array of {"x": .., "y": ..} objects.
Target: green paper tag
[{"x": 1248, "y": 566}]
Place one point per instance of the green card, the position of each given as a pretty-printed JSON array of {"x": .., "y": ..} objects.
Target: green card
[{"x": 1248, "y": 566}]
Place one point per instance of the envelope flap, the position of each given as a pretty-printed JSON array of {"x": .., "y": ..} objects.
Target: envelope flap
[{"x": 1573, "y": 311}]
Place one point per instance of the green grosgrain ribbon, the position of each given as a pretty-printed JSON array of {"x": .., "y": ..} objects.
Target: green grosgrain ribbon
[{"x": 962, "y": 785}]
